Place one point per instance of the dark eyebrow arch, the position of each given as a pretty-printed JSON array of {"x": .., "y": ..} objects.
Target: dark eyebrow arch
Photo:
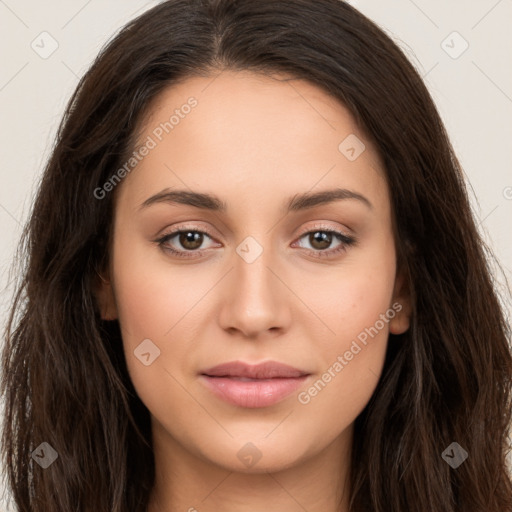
[
  {"x": 211, "y": 202},
  {"x": 310, "y": 200},
  {"x": 196, "y": 199}
]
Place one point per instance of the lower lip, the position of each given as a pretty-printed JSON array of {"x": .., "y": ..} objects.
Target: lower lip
[{"x": 255, "y": 393}]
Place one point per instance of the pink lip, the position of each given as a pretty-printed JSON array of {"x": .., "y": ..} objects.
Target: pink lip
[{"x": 253, "y": 386}]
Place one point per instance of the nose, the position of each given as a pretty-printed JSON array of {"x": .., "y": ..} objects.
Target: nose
[{"x": 256, "y": 300}]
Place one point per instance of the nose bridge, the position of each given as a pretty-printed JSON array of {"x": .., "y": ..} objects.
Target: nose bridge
[
  {"x": 255, "y": 298},
  {"x": 253, "y": 278}
]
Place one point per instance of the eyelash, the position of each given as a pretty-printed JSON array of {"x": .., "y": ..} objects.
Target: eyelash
[{"x": 346, "y": 241}]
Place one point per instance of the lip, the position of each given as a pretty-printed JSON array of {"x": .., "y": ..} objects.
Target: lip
[{"x": 253, "y": 386}]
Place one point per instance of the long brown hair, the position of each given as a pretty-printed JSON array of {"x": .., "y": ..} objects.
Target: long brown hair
[{"x": 446, "y": 380}]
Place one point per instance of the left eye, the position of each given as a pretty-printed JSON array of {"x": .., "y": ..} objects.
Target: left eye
[{"x": 190, "y": 240}]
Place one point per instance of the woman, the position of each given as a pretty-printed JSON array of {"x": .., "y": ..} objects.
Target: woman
[{"x": 253, "y": 279}]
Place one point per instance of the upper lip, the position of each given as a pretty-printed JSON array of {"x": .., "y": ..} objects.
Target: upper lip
[{"x": 266, "y": 370}]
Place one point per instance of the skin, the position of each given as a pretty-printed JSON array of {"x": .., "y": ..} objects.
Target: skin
[{"x": 254, "y": 142}]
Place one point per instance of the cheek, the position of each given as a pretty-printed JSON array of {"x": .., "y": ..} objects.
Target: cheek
[
  {"x": 359, "y": 320},
  {"x": 149, "y": 309},
  {"x": 349, "y": 300},
  {"x": 356, "y": 305},
  {"x": 155, "y": 302},
  {"x": 154, "y": 297}
]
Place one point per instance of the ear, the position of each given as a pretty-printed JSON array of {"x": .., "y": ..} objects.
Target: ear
[
  {"x": 105, "y": 297},
  {"x": 401, "y": 304}
]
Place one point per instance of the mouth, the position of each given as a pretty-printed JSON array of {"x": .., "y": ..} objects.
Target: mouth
[{"x": 253, "y": 386}]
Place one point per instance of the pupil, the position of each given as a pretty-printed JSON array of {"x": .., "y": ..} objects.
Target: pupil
[
  {"x": 321, "y": 239},
  {"x": 191, "y": 239}
]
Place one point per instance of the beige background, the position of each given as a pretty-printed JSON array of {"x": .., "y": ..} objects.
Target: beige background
[{"x": 472, "y": 88}]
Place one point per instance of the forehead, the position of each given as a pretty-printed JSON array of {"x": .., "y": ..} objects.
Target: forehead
[{"x": 242, "y": 130}]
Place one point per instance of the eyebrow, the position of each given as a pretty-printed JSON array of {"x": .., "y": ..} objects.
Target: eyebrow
[{"x": 211, "y": 202}]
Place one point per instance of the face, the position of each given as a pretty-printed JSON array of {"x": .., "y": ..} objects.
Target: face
[{"x": 286, "y": 258}]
